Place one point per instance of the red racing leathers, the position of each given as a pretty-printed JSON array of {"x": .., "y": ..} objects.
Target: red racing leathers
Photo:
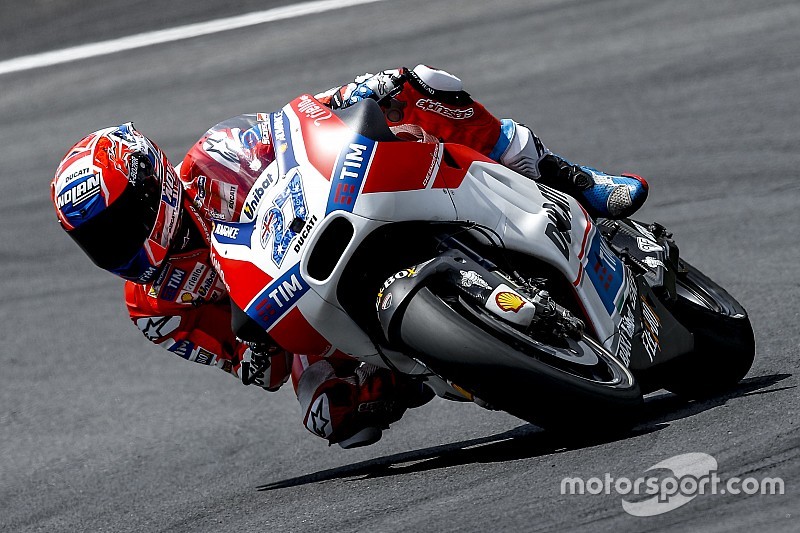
[{"x": 186, "y": 309}]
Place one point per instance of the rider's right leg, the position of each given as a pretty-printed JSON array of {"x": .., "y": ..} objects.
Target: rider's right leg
[
  {"x": 350, "y": 404},
  {"x": 601, "y": 194}
]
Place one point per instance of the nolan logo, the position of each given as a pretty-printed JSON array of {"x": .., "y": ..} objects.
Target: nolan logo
[{"x": 81, "y": 192}]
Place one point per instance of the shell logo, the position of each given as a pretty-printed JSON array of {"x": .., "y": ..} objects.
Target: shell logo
[{"x": 508, "y": 301}]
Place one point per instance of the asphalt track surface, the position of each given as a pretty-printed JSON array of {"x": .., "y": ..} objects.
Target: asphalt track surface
[{"x": 101, "y": 431}]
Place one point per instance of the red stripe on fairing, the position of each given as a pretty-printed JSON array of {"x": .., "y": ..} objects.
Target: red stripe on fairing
[
  {"x": 580, "y": 275},
  {"x": 323, "y": 135},
  {"x": 401, "y": 166},
  {"x": 295, "y": 334},
  {"x": 451, "y": 177},
  {"x": 589, "y": 226},
  {"x": 250, "y": 279}
]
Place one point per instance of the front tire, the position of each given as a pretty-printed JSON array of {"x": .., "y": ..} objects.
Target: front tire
[
  {"x": 724, "y": 342},
  {"x": 577, "y": 387}
]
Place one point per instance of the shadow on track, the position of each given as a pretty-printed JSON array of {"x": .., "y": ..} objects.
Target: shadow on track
[
  {"x": 527, "y": 440},
  {"x": 666, "y": 407}
]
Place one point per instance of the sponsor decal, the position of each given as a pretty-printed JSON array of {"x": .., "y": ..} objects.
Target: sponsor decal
[
  {"x": 312, "y": 110},
  {"x": 652, "y": 325},
  {"x": 509, "y": 301},
  {"x": 203, "y": 356},
  {"x": 169, "y": 213},
  {"x": 283, "y": 142},
  {"x": 427, "y": 104},
  {"x": 182, "y": 348},
  {"x": 222, "y": 149},
  {"x": 218, "y": 270},
  {"x": 251, "y": 205},
  {"x": 348, "y": 176},
  {"x": 506, "y": 303},
  {"x": 156, "y": 286},
  {"x": 627, "y": 326},
  {"x": 305, "y": 232},
  {"x": 647, "y": 245},
  {"x": 387, "y": 301},
  {"x": 279, "y": 228},
  {"x": 626, "y": 329},
  {"x": 605, "y": 271},
  {"x": 169, "y": 291},
  {"x": 433, "y": 166},
  {"x": 405, "y": 273},
  {"x": 319, "y": 417},
  {"x": 170, "y": 190},
  {"x": 278, "y": 127},
  {"x": 156, "y": 327},
  {"x": 147, "y": 274},
  {"x": 228, "y": 194},
  {"x": 470, "y": 278},
  {"x": 207, "y": 283},
  {"x": 201, "y": 187},
  {"x": 644, "y": 231},
  {"x": 653, "y": 263},
  {"x": 76, "y": 174},
  {"x": 559, "y": 227},
  {"x": 226, "y": 231},
  {"x": 195, "y": 277},
  {"x": 278, "y": 298},
  {"x": 233, "y": 233},
  {"x": 80, "y": 192},
  {"x": 262, "y": 120},
  {"x": 133, "y": 167}
]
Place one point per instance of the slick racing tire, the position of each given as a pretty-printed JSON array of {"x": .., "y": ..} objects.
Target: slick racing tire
[
  {"x": 576, "y": 387},
  {"x": 723, "y": 337}
]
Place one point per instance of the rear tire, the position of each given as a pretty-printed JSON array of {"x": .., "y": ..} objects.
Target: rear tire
[
  {"x": 515, "y": 373},
  {"x": 724, "y": 342}
]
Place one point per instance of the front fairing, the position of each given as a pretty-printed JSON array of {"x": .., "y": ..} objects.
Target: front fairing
[{"x": 325, "y": 171}]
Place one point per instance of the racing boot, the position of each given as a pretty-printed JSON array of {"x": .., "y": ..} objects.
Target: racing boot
[
  {"x": 352, "y": 406},
  {"x": 601, "y": 194},
  {"x": 383, "y": 398}
]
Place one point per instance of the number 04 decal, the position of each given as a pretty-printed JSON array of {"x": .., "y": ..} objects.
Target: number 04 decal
[{"x": 277, "y": 226}]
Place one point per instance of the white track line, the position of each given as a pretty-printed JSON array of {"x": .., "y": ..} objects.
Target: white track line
[{"x": 57, "y": 57}]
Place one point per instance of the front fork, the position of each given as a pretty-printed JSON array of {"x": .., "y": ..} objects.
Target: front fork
[{"x": 459, "y": 271}]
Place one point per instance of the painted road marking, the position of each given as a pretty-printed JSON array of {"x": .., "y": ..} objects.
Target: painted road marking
[{"x": 188, "y": 31}]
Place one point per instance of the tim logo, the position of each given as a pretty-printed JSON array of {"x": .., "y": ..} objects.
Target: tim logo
[
  {"x": 278, "y": 298},
  {"x": 349, "y": 174}
]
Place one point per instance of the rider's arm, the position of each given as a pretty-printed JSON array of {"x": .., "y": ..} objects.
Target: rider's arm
[
  {"x": 201, "y": 334},
  {"x": 432, "y": 99}
]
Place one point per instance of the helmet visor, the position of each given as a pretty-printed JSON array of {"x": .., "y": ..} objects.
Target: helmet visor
[{"x": 114, "y": 238}]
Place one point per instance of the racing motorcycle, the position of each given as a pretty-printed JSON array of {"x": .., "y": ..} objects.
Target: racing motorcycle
[{"x": 436, "y": 262}]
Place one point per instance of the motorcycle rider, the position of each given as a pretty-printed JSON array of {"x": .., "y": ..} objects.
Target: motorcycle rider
[{"x": 118, "y": 197}]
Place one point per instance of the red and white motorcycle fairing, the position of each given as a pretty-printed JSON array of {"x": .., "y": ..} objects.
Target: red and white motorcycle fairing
[{"x": 325, "y": 171}]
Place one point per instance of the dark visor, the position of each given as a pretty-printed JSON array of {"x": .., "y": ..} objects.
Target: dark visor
[{"x": 113, "y": 237}]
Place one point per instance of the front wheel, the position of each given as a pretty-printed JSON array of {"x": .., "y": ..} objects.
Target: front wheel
[
  {"x": 724, "y": 343},
  {"x": 564, "y": 384}
]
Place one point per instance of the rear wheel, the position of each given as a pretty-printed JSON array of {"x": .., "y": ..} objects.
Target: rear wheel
[
  {"x": 724, "y": 343},
  {"x": 565, "y": 384}
]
